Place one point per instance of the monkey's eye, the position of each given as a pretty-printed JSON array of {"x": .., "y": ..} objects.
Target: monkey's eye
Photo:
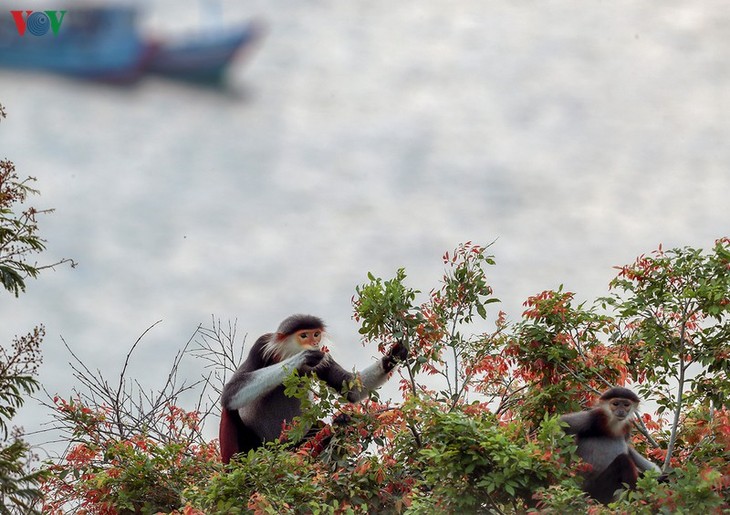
[
  {"x": 303, "y": 336},
  {"x": 316, "y": 335}
]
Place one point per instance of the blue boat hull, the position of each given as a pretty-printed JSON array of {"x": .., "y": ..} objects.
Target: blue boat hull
[{"x": 205, "y": 57}]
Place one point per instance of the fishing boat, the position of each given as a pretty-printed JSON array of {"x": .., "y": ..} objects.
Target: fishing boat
[
  {"x": 205, "y": 56},
  {"x": 105, "y": 43},
  {"x": 91, "y": 42}
]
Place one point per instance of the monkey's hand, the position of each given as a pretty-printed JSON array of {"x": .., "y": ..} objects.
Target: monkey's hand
[
  {"x": 396, "y": 354},
  {"x": 341, "y": 419},
  {"x": 664, "y": 477},
  {"x": 309, "y": 359}
]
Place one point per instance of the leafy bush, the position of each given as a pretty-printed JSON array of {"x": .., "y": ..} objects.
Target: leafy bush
[
  {"x": 101, "y": 473},
  {"x": 476, "y": 429},
  {"x": 19, "y": 239},
  {"x": 18, "y": 483}
]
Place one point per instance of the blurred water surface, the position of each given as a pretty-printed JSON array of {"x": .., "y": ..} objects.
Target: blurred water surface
[{"x": 366, "y": 136}]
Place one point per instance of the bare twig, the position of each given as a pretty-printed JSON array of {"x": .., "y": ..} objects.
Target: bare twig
[{"x": 133, "y": 408}]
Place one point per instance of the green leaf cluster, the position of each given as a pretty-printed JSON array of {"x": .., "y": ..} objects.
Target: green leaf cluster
[
  {"x": 18, "y": 231},
  {"x": 278, "y": 480},
  {"x": 475, "y": 464},
  {"x": 18, "y": 482},
  {"x": 385, "y": 308}
]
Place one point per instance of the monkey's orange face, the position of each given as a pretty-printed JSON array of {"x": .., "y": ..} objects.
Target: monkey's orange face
[
  {"x": 309, "y": 338},
  {"x": 284, "y": 346}
]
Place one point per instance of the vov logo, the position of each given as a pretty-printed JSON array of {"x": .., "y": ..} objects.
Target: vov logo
[{"x": 38, "y": 22}]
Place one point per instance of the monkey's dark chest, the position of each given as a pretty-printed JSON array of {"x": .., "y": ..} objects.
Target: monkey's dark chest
[{"x": 598, "y": 428}]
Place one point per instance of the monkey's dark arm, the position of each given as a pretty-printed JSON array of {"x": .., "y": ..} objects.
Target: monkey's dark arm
[
  {"x": 642, "y": 463},
  {"x": 370, "y": 378},
  {"x": 347, "y": 383}
]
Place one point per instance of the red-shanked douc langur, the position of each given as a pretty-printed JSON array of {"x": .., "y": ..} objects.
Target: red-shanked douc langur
[
  {"x": 254, "y": 406},
  {"x": 602, "y": 435}
]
